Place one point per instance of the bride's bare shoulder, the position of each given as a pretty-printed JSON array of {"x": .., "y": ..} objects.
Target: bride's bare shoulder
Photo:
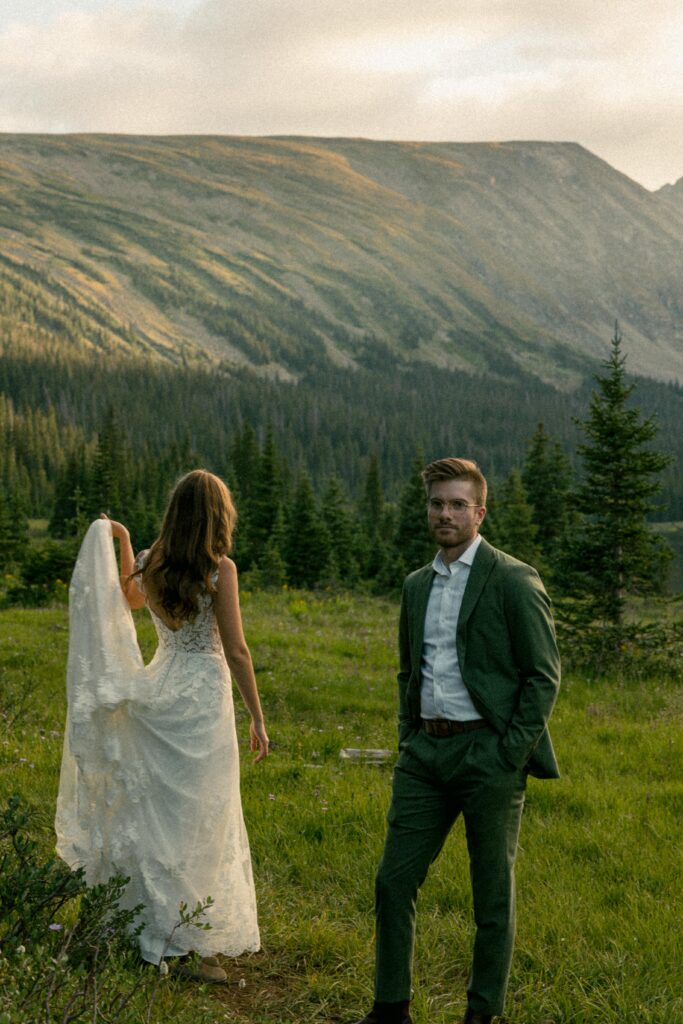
[{"x": 227, "y": 576}]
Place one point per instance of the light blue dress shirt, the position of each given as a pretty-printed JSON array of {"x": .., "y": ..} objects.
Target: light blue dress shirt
[{"x": 443, "y": 693}]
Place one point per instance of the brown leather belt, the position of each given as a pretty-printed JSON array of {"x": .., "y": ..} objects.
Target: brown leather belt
[{"x": 448, "y": 727}]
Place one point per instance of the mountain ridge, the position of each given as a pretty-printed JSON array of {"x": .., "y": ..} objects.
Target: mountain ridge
[{"x": 286, "y": 252}]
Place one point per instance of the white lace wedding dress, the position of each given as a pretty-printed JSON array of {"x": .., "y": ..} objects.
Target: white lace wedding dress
[{"x": 149, "y": 783}]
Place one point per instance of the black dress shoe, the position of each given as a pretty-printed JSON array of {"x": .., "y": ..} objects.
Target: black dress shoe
[
  {"x": 388, "y": 1013},
  {"x": 472, "y": 1017}
]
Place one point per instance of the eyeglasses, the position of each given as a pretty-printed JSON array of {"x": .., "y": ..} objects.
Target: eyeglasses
[{"x": 435, "y": 506}]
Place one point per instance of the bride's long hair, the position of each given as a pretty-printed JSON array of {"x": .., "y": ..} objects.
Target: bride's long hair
[{"x": 196, "y": 532}]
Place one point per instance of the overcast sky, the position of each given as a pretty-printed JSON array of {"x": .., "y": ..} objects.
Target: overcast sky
[{"x": 605, "y": 73}]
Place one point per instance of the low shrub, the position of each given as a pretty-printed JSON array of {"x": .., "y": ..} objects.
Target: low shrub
[
  {"x": 629, "y": 651},
  {"x": 68, "y": 951}
]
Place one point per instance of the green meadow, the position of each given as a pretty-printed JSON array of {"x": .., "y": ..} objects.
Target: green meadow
[{"x": 599, "y": 870}]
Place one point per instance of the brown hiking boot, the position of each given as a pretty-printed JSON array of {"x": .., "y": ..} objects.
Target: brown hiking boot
[{"x": 205, "y": 970}]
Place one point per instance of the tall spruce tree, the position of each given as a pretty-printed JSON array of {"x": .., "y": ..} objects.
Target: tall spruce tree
[
  {"x": 617, "y": 553},
  {"x": 13, "y": 530},
  {"x": 307, "y": 547},
  {"x": 339, "y": 523},
  {"x": 371, "y": 514},
  {"x": 243, "y": 479},
  {"x": 372, "y": 502},
  {"x": 547, "y": 479},
  {"x": 270, "y": 563},
  {"x": 266, "y": 497},
  {"x": 413, "y": 544},
  {"x": 70, "y": 491},
  {"x": 515, "y": 526},
  {"x": 489, "y": 528},
  {"x": 245, "y": 458},
  {"x": 108, "y": 479}
]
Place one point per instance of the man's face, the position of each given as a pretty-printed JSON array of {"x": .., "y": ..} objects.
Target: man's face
[{"x": 453, "y": 515}]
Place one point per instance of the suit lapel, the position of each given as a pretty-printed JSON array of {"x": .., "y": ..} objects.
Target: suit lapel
[
  {"x": 418, "y": 611},
  {"x": 483, "y": 563}
]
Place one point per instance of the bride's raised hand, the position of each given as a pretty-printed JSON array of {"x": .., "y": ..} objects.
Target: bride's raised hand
[
  {"x": 118, "y": 530},
  {"x": 258, "y": 740}
]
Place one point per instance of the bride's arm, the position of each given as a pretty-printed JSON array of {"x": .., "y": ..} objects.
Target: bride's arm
[
  {"x": 237, "y": 654},
  {"x": 132, "y": 593}
]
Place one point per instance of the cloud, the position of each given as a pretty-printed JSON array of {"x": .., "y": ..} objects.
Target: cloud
[{"x": 607, "y": 75}]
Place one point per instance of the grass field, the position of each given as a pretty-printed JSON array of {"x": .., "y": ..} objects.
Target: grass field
[{"x": 599, "y": 870}]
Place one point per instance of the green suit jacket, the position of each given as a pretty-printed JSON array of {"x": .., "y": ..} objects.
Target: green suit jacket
[{"x": 506, "y": 650}]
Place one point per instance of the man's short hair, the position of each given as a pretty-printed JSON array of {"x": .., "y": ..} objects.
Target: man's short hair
[{"x": 456, "y": 469}]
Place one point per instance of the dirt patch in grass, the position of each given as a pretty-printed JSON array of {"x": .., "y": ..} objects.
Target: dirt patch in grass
[{"x": 261, "y": 989}]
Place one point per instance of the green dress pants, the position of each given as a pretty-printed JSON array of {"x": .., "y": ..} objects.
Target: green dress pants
[{"x": 435, "y": 780}]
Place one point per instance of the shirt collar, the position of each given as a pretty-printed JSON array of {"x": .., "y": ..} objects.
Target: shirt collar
[{"x": 466, "y": 558}]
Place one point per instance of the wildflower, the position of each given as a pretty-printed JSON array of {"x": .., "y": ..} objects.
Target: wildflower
[
  {"x": 21, "y": 950},
  {"x": 271, "y": 796},
  {"x": 54, "y": 927},
  {"x": 163, "y": 968}
]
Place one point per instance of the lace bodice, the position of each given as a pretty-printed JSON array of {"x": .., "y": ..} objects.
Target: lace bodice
[{"x": 196, "y": 636}]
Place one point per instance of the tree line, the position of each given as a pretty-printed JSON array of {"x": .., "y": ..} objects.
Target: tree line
[
  {"x": 587, "y": 533},
  {"x": 55, "y": 390}
]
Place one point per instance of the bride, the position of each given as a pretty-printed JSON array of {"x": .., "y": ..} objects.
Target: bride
[{"x": 149, "y": 785}]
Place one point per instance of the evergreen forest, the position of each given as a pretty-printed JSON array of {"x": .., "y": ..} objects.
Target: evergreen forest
[{"x": 325, "y": 471}]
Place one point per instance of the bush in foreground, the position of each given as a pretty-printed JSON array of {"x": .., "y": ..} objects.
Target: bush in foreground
[{"x": 68, "y": 951}]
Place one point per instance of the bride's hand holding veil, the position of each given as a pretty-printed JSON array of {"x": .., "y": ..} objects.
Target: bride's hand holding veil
[{"x": 120, "y": 532}]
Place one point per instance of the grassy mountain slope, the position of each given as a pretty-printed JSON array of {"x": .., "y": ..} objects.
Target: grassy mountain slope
[{"x": 289, "y": 253}]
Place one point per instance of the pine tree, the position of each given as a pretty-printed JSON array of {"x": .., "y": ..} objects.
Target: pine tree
[
  {"x": 244, "y": 478},
  {"x": 266, "y": 499},
  {"x": 489, "y": 527},
  {"x": 412, "y": 542},
  {"x": 617, "y": 552},
  {"x": 245, "y": 458},
  {"x": 108, "y": 475},
  {"x": 79, "y": 522},
  {"x": 13, "y": 531},
  {"x": 70, "y": 490},
  {"x": 515, "y": 528},
  {"x": 371, "y": 541},
  {"x": 307, "y": 547},
  {"x": 547, "y": 479},
  {"x": 339, "y": 524},
  {"x": 372, "y": 502},
  {"x": 271, "y": 565},
  {"x": 142, "y": 522}
]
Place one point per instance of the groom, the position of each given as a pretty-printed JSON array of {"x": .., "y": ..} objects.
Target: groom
[{"x": 479, "y": 674}]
